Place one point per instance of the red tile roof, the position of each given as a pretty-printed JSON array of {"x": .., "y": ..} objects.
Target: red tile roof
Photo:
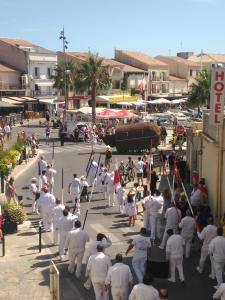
[
  {"x": 16, "y": 42},
  {"x": 4, "y": 68},
  {"x": 180, "y": 60}
]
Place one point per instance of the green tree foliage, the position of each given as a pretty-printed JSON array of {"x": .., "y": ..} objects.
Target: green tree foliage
[{"x": 200, "y": 90}]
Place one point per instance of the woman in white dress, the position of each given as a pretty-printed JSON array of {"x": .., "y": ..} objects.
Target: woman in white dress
[{"x": 120, "y": 197}]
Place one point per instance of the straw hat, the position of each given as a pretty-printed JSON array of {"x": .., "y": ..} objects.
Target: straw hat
[
  {"x": 82, "y": 178},
  {"x": 34, "y": 179},
  {"x": 108, "y": 147}
]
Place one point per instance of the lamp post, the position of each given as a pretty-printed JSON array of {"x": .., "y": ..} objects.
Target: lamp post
[{"x": 65, "y": 46}]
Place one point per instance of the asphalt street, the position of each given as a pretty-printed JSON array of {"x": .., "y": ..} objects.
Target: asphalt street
[{"x": 73, "y": 159}]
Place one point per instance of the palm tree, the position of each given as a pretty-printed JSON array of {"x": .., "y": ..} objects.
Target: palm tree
[
  {"x": 59, "y": 76},
  {"x": 95, "y": 76},
  {"x": 200, "y": 90}
]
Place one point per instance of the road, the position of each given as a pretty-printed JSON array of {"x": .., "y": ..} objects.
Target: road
[{"x": 73, "y": 159}]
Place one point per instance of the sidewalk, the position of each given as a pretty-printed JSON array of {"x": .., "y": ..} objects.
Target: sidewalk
[{"x": 24, "y": 271}]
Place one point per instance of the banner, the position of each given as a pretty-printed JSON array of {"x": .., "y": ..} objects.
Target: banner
[{"x": 217, "y": 95}]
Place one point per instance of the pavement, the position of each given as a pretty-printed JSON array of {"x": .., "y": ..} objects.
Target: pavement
[{"x": 27, "y": 268}]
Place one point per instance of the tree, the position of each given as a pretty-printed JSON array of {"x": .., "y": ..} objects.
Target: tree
[
  {"x": 95, "y": 76},
  {"x": 59, "y": 76},
  {"x": 200, "y": 90}
]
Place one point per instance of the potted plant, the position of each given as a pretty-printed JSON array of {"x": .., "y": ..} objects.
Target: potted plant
[{"x": 13, "y": 215}]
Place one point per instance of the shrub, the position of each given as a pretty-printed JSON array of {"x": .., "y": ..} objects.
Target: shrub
[{"x": 13, "y": 212}]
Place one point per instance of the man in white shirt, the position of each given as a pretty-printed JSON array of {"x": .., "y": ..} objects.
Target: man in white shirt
[
  {"x": 146, "y": 214},
  {"x": 57, "y": 215},
  {"x": 50, "y": 177},
  {"x": 155, "y": 208},
  {"x": 65, "y": 226},
  {"x": 43, "y": 180},
  {"x": 173, "y": 217},
  {"x": 187, "y": 226},
  {"x": 101, "y": 240},
  {"x": 140, "y": 244},
  {"x": 42, "y": 165},
  {"x": 217, "y": 251},
  {"x": 220, "y": 293},
  {"x": 120, "y": 278},
  {"x": 7, "y": 130},
  {"x": 207, "y": 235},
  {"x": 159, "y": 197},
  {"x": 195, "y": 198},
  {"x": 174, "y": 253},
  {"x": 97, "y": 269},
  {"x": 92, "y": 171},
  {"x": 109, "y": 188},
  {"x": 145, "y": 290},
  {"x": 34, "y": 191},
  {"x": 75, "y": 242},
  {"x": 139, "y": 167},
  {"x": 46, "y": 204},
  {"x": 74, "y": 190}
]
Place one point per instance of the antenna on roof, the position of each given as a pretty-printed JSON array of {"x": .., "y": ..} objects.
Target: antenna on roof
[{"x": 181, "y": 46}]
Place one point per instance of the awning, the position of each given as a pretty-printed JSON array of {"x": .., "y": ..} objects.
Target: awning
[
  {"x": 159, "y": 101},
  {"x": 49, "y": 83},
  {"x": 7, "y": 105},
  {"x": 47, "y": 101},
  {"x": 10, "y": 101}
]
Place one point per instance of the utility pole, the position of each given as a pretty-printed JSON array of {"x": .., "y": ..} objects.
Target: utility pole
[{"x": 65, "y": 46}]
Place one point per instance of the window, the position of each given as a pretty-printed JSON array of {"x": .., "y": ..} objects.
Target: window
[
  {"x": 49, "y": 72},
  {"x": 191, "y": 73},
  {"x": 36, "y": 72},
  {"x": 154, "y": 76},
  {"x": 153, "y": 88},
  {"x": 116, "y": 84}
]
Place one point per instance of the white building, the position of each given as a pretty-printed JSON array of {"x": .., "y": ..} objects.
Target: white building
[{"x": 34, "y": 62}]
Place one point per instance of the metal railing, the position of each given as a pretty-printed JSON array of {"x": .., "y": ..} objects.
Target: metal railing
[{"x": 54, "y": 282}]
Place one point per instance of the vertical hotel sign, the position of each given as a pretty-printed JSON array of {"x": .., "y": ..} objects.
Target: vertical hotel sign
[{"x": 217, "y": 96}]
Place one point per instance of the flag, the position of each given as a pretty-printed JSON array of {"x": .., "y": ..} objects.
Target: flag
[
  {"x": 116, "y": 176},
  {"x": 141, "y": 86}
]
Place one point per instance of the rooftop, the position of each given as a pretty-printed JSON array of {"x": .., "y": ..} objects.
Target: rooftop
[
  {"x": 22, "y": 44},
  {"x": 4, "y": 68},
  {"x": 175, "y": 78},
  {"x": 180, "y": 60},
  {"x": 208, "y": 58},
  {"x": 142, "y": 57}
]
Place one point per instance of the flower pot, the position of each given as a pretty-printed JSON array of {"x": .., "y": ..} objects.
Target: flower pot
[{"x": 9, "y": 227}]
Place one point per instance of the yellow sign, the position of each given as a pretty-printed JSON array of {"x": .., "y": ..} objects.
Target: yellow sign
[{"x": 124, "y": 98}]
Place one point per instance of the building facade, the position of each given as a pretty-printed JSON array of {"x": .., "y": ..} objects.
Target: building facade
[{"x": 34, "y": 62}]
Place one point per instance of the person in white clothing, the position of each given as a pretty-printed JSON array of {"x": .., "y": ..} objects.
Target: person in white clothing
[
  {"x": 217, "y": 251},
  {"x": 83, "y": 189},
  {"x": 120, "y": 278},
  {"x": 144, "y": 290},
  {"x": 109, "y": 188},
  {"x": 99, "y": 185},
  {"x": 173, "y": 217},
  {"x": 92, "y": 171},
  {"x": 7, "y": 130},
  {"x": 45, "y": 205},
  {"x": 207, "y": 235},
  {"x": 50, "y": 177},
  {"x": 101, "y": 240},
  {"x": 220, "y": 293},
  {"x": 120, "y": 196},
  {"x": 146, "y": 206},
  {"x": 97, "y": 269},
  {"x": 34, "y": 191},
  {"x": 187, "y": 226},
  {"x": 57, "y": 215},
  {"x": 65, "y": 226},
  {"x": 174, "y": 253},
  {"x": 159, "y": 197},
  {"x": 75, "y": 243},
  {"x": 74, "y": 190},
  {"x": 139, "y": 167},
  {"x": 42, "y": 165},
  {"x": 43, "y": 180},
  {"x": 140, "y": 244},
  {"x": 155, "y": 208}
]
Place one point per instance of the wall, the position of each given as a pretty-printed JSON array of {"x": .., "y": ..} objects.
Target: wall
[
  {"x": 9, "y": 80},
  {"x": 177, "y": 86},
  {"x": 13, "y": 57}
]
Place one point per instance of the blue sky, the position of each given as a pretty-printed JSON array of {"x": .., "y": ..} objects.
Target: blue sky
[{"x": 151, "y": 26}]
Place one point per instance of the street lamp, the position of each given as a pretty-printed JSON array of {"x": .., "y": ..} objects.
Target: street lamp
[{"x": 65, "y": 46}]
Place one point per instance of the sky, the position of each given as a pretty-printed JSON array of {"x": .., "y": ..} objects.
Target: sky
[{"x": 155, "y": 27}]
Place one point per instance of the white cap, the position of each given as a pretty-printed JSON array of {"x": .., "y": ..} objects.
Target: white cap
[{"x": 34, "y": 179}]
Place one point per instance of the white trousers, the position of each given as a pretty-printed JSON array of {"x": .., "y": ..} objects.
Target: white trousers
[
  {"x": 153, "y": 219},
  {"x": 138, "y": 264},
  {"x": 100, "y": 292},
  {"x": 187, "y": 246},
  {"x": 146, "y": 219},
  {"x": 62, "y": 240},
  {"x": 55, "y": 234},
  {"x": 219, "y": 269},
  {"x": 165, "y": 235},
  {"x": 76, "y": 257},
  {"x": 47, "y": 219},
  {"x": 120, "y": 293},
  {"x": 203, "y": 257},
  {"x": 176, "y": 263}
]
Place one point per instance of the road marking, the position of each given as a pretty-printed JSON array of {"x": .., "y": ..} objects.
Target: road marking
[{"x": 99, "y": 228}]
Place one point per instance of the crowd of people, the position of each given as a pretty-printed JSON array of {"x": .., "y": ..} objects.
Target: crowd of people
[{"x": 173, "y": 221}]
